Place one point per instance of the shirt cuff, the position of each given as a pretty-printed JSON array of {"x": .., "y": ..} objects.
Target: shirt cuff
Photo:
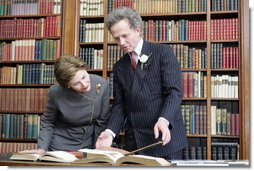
[
  {"x": 164, "y": 120},
  {"x": 111, "y": 132}
]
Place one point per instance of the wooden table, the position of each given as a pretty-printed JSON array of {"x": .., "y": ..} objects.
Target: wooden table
[{"x": 4, "y": 161}]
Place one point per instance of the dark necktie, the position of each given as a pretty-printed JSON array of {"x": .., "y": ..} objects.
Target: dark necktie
[{"x": 133, "y": 61}]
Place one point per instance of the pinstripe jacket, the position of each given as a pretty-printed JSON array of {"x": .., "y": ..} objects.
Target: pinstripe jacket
[
  {"x": 147, "y": 94},
  {"x": 73, "y": 120}
]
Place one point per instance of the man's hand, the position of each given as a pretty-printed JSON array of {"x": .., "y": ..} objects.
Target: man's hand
[
  {"x": 104, "y": 140},
  {"x": 162, "y": 126}
]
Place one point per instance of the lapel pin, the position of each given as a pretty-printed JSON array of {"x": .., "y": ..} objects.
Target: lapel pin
[{"x": 98, "y": 88}]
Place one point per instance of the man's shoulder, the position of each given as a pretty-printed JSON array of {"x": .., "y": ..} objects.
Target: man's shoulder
[
  {"x": 158, "y": 45},
  {"x": 155, "y": 46}
]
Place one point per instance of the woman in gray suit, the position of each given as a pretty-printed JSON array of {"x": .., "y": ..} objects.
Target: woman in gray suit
[
  {"x": 77, "y": 108},
  {"x": 147, "y": 86}
]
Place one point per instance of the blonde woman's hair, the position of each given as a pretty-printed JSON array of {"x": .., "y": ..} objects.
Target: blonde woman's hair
[{"x": 66, "y": 67}]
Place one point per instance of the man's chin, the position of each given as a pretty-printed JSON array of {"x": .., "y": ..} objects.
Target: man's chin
[{"x": 126, "y": 50}]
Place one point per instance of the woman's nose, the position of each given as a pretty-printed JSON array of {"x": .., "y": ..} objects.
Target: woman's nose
[{"x": 83, "y": 83}]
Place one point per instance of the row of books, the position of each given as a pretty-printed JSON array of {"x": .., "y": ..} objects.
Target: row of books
[
  {"x": 194, "y": 84},
  {"x": 225, "y": 151},
  {"x": 224, "y": 122},
  {"x": 23, "y": 99},
  {"x": 224, "y": 86},
  {"x": 190, "y": 57},
  {"x": 49, "y": 26},
  {"x": 114, "y": 53},
  {"x": 194, "y": 117},
  {"x": 30, "y": 50},
  {"x": 91, "y": 32},
  {"x": 29, "y": 7},
  {"x": 224, "y": 5},
  {"x": 10, "y": 147},
  {"x": 36, "y": 74},
  {"x": 160, "y": 6},
  {"x": 195, "y": 153},
  {"x": 28, "y": 74},
  {"x": 224, "y": 29},
  {"x": 93, "y": 57},
  {"x": 91, "y": 8},
  {"x": 220, "y": 151},
  {"x": 224, "y": 56},
  {"x": 19, "y": 126},
  {"x": 171, "y": 30}
]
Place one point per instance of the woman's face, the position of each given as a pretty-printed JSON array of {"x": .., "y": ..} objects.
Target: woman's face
[{"x": 80, "y": 82}]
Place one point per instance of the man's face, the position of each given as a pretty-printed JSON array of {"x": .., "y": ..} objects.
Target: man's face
[{"x": 125, "y": 37}]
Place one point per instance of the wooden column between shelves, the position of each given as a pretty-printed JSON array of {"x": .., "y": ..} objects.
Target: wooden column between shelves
[
  {"x": 69, "y": 22},
  {"x": 105, "y": 41},
  {"x": 208, "y": 39},
  {"x": 244, "y": 89}
]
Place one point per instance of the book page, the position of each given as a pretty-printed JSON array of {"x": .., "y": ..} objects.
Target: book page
[
  {"x": 143, "y": 160},
  {"x": 58, "y": 156},
  {"x": 25, "y": 156},
  {"x": 112, "y": 155}
]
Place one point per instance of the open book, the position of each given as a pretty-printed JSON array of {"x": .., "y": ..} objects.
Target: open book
[
  {"x": 53, "y": 156},
  {"x": 117, "y": 158}
]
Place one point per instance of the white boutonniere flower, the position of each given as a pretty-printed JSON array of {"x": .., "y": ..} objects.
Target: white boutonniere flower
[{"x": 143, "y": 59}]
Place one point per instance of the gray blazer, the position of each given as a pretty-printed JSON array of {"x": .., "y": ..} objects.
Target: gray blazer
[
  {"x": 143, "y": 96},
  {"x": 72, "y": 120}
]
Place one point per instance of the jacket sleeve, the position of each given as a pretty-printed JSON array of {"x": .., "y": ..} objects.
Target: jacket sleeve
[
  {"x": 171, "y": 85},
  {"x": 47, "y": 122}
]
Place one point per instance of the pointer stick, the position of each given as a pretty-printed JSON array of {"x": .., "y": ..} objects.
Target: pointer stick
[{"x": 144, "y": 148}]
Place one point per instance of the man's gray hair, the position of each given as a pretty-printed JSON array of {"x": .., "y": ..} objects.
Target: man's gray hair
[{"x": 124, "y": 13}]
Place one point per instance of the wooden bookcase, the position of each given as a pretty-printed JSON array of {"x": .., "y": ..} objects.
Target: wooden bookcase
[
  {"x": 70, "y": 44},
  {"x": 30, "y": 42},
  {"x": 207, "y": 15}
]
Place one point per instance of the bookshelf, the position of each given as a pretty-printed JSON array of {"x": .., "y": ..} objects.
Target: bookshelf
[
  {"x": 30, "y": 41},
  {"x": 211, "y": 41},
  {"x": 197, "y": 49}
]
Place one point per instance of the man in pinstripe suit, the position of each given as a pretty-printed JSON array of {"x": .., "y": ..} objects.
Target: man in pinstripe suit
[{"x": 146, "y": 99}]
